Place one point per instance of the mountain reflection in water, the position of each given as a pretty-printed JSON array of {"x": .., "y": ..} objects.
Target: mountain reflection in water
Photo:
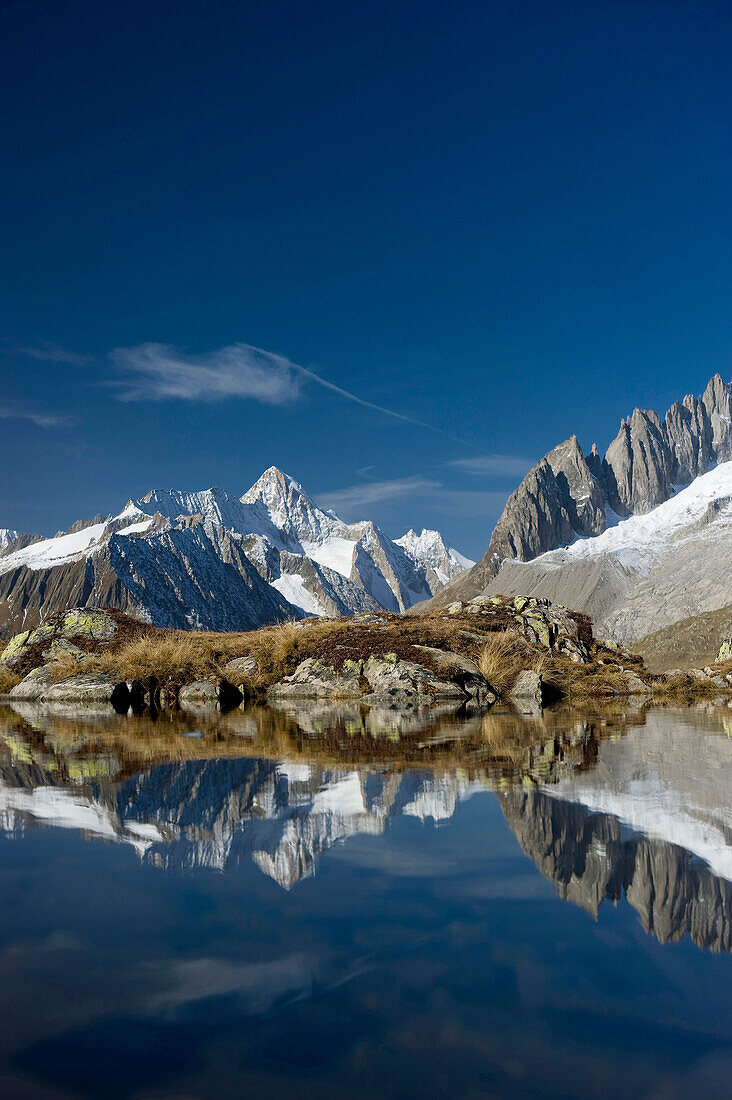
[{"x": 630, "y": 803}]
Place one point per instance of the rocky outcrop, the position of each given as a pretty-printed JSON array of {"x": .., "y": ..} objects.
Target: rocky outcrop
[
  {"x": 387, "y": 680},
  {"x": 567, "y": 495},
  {"x": 58, "y": 636}
]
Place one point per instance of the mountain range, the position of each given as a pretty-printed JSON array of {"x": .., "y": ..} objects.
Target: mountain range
[
  {"x": 211, "y": 561},
  {"x": 639, "y": 539}
]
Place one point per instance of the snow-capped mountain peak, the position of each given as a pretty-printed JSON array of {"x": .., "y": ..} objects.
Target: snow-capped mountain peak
[
  {"x": 7, "y": 536},
  {"x": 290, "y": 510},
  {"x": 429, "y": 548},
  {"x": 209, "y": 560}
]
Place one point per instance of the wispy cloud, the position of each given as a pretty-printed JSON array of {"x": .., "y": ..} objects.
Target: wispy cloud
[
  {"x": 432, "y": 494},
  {"x": 55, "y": 354},
  {"x": 40, "y": 418},
  {"x": 492, "y": 465},
  {"x": 376, "y": 492},
  {"x": 160, "y": 372}
]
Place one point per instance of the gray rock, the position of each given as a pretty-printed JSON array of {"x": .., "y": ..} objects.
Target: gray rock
[
  {"x": 529, "y": 687},
  {"x": 88, "y": 690},
  {"x": 240, "y": 669},
  {"x": 314, "y": 679},
  {"x": 635, "y": 685},
  {"x": 33, "y": 686},
  {"x": 199, "y": 693},
  {"x": 464, "y": 672},
  {"x": 398, "y": 682},
  {"x": 208, "y": 695}
]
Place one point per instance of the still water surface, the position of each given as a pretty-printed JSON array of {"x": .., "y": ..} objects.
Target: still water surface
[{"x": 333, "y": 902}]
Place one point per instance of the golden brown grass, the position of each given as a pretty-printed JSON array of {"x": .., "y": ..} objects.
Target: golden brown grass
[
  {"x": 176, "y": 657},
  {"x": 504, "y": 656},
  {"x": 8, "y": 679}
]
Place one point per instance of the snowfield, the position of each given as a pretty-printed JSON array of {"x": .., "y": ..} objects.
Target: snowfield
[{"x": 639, "y": 540}]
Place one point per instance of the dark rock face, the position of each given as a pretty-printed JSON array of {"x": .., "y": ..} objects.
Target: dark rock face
[{"x": 566, "y": 494}]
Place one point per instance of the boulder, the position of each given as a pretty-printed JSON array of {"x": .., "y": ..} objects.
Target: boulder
[
  {"x": 88, "y": 690},
  {"x": 33, "y": 686},
  {"x": 635, "y": 685},
  {"x": 314, "y": 679},
  {"x": 208, "y": 695},
  {"x": 240, "y": 669},
  {"x": 199, "y": 694},
  {"x": 397, "y": 683},
  {"x": 725, "y": 650},
  {"x": 464, "y": 672},
  {"x": 529, "y": 687}
]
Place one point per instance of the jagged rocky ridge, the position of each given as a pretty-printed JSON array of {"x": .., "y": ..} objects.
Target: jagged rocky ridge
[
  {"x": 569, "y": 495},
  {"x": 211, "y": 561}
]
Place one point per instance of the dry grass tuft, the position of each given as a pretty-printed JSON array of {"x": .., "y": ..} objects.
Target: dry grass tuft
[
  {"x": 8, "y": 679},
  {"x": 504, "y": 656}
]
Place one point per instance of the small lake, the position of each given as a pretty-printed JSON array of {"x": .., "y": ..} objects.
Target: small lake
[{"x": 331, "y": 902}]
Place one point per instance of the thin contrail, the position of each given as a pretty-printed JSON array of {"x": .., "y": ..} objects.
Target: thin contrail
[{"x": 381, "y": 408}]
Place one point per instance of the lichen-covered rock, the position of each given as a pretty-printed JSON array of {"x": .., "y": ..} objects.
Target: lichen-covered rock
[
  {"x": 62, "y": 647},
  {"x": 59, "y": 633},
  {"x": 314, "y": 679},
  {"x": 725, "y": 650},
  {"x": 95, "y": 625},
  {"x": 396, "y": 682},
  {"x": 32, "y": 687}
]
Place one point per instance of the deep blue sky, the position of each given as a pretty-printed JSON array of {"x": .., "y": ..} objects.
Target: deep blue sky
[{"x": 510, "y": 220}]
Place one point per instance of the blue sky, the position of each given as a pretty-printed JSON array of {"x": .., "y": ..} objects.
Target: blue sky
[{"x": 235, "y": 234}]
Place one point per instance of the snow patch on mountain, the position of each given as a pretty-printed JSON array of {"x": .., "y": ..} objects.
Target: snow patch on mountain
[
  {"x": 292, "y": 587},
  {"x": 6, "y": 537},
  {"x": 429, "y": 548},
  {"x": 639, "y": 540}
]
